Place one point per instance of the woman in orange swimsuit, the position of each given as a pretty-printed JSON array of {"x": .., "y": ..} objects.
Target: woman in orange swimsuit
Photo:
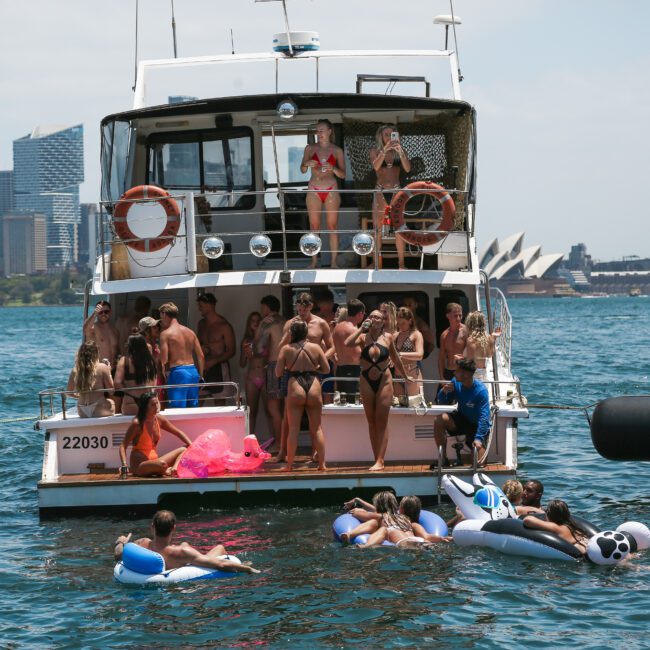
[
  {"x": 144, "y": 434},
  {"x": 327, "y": 163}
]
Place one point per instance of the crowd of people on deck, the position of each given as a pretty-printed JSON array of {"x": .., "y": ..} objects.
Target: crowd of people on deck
[
  {"x": 323, "y": 354},
  {"x": 325, "y": 161}
]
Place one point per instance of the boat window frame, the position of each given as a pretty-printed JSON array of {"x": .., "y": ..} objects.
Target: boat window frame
[{"x": 199, "y": 136}]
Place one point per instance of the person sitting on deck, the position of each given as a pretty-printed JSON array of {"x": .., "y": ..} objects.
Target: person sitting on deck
[
  {"x": 144, "y": 434},
  {"x": 303, "y": 361},
  {"x": 163, "y": 526},
  {"x": 178, "y": 347},
  {"x": 87, "y": 378},
  {"x": 410, "y": 505},
  {"x": 472, "y": 419}
]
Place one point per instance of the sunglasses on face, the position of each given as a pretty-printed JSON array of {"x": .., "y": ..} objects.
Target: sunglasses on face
[
  {"x": 303, "y": 303},
  {"x": 105, "y": 312}
]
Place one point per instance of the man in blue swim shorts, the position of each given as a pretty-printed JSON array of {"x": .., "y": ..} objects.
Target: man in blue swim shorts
[{"x": 179, "y": 347}]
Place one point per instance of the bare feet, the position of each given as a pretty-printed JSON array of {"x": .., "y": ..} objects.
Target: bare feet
[
  {"x": 287, "y": 468},
  {"x": 314, "y": 457},
  {"x": 280, "y": 458},
  {"x": 377, "y": 467},
  {"x": 322, "y": 467},
  {"x": 171, "y": 471}
]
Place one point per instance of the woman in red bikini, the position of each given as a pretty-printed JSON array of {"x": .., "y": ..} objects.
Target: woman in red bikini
[
  {"x": 388, "y": 159},
  {"x": 144, "y": 434},
  {"x": 327, "y": 163}
]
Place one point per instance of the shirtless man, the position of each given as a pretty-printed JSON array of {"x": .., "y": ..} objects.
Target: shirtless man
[
  {"x": 128, "y": 324},
  {"x": 452, "y": 342},
  {"x": 325, "y": 306},
  {"x": 97, "y": 327},
  {"x": 178, "y": 347},
  {"x": 531, "y": 498},
  {"x": 267, "y": 344},
  {"x": 348, "y": 358},
  {"x": 318, "y": 332},
  {"x": 217, "y": 340},
  {"x": 163, "y": 525}
]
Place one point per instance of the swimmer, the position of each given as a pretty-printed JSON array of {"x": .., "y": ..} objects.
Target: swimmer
[{"x": 163, "y": 526}]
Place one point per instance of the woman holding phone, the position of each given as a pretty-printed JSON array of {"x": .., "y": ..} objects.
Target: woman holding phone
[{"x": 388, "y": 159}]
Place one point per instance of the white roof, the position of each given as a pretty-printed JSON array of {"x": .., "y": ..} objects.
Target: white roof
[
  {"x": 499, "y": 258},
  {"x": 488, "y": 252},
  {"x": 512, "y": 267},
  {"x": 43, "y": 130},
  {"x": 543, "y": 265},
  {"x": 512, "y": 244}
]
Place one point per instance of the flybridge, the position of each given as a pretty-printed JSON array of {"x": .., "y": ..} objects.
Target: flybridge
[{"x": 309, "y": 71}]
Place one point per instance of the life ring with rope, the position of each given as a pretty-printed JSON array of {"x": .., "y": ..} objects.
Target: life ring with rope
[
  {"x": 422, "y": 237},
  {"x": 158, "y": 196}
]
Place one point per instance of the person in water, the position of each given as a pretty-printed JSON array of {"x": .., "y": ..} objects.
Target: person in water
[
  {"x": 377, "y": 349},
  {"x": 144, "y": 434},
  {"x": 531, "y": 498},
  {"x": 175, "y": 556},
  {"x": 388, "y": 159},
  {"x": 365, "y": 512},
  {"x": 88, "y": 376},
  {"x": 560, "y": 523},
  {"x": 327, "y": 164},
  {"x": 303, "y": 361},
  {"x": 513, "y": 490}
]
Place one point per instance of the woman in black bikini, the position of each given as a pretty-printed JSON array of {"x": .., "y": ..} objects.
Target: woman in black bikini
[
  {"x": 376, "y": 382},
  {"x": 136, "y": 368},
  {"x": 410, "y": 347},
  {"x": 387, "y": 159},
  {"x": 327, "y": 163},
  {"x": 303, "y": 361}
]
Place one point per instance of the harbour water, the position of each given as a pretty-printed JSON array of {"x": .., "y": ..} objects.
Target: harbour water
[{"x": 57, "y": 588}]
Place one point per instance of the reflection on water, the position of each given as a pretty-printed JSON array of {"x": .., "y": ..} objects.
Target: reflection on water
[{"x": 56, "y": 576}]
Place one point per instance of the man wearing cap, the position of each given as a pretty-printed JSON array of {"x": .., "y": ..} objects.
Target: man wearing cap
[
  {"x": 179, "y": 346},
  {"x": 472, "y": 419},
  {"x": 217, "y": 340},
  {"x": 150, "y": 328}
]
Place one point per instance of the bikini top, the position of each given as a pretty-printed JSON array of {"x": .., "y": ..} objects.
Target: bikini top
[
  {"x": 302, "y": 349},
  {"x": 396, "y": 161},
  {"x": 383, "y": 353},
  {"x": 147, "y": 440},
  {"x": 331, "y": 159},
  {"x": 406, "y": 345}
]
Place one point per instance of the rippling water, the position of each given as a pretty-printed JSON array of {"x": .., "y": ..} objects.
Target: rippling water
[{"x": 57, "y": 588}]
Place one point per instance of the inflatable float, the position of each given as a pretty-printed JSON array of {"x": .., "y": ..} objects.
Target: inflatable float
[
  {"x": 140, "y": 566},
  {"x": 492, "y": 521},
  {"x": 430, "y": 521}
]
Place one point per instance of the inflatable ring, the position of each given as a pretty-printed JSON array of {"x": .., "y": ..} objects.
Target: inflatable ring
[
  {"x": 422, "y": 237},
  {"x": 159, "y": 196},
  {"x": 430, "y": 521},
  {"x": 140, "y": 566}
]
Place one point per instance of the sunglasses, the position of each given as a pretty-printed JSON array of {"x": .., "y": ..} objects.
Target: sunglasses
[
  {"x": 105, "y": 312},
  {"x": 304, "y": 303}
]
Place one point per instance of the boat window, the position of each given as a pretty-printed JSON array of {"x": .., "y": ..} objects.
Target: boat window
[
  {"x": 372, "y": 300},
  {"x": 204, "y": 161},
  {"x": 116, "y": 158}
]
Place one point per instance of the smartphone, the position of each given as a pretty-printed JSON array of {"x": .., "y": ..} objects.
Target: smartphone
[{"x": 394, "y": 136}]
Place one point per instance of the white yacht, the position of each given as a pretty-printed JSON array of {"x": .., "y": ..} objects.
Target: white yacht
[{"x": 234, "y": 225}]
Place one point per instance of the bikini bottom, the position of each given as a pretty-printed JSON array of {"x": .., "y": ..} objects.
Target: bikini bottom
[
  {"x": 322, "y": 192},
  {"x": 304, "y": 378}
]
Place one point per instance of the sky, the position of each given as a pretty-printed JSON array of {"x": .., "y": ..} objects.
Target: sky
[{"x": 562, "y": 91}]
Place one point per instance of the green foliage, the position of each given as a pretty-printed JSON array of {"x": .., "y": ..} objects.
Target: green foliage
[{"x": 42, "y": 289}]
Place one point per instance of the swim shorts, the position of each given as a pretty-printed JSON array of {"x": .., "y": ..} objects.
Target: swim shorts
[{"x": 183, "y": 397}]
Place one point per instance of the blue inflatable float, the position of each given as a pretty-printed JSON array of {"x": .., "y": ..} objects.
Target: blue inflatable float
[
  {"x": 430, "y": 521},
  {"x": 140, "y": 566}
]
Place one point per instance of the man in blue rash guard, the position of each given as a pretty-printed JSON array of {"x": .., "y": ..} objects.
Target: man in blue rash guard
[
  {"x": 179, "y": 346},
  {"x": 473, "y": 416}
]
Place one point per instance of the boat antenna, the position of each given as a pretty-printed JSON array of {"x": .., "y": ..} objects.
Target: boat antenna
[
  {"x": 453, "y": 22},
  {"x": 174, "y": 31},
  {"x": 232, "y": 41},
  {"x": 286, "y": 23},
  {"x": 135, "y": 79}
]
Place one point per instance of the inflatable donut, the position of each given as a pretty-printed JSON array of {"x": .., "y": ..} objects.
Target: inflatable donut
[{"x": 140, "y": 566}]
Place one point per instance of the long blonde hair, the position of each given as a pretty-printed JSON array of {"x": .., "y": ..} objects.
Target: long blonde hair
[
  {"x": 391, "y": 309},
  {"x": 379, "y": 139},
  {"x": 84, "y": 366},
  {"x": 476, "y": 332},
  {"x": 405, "y": 312}
]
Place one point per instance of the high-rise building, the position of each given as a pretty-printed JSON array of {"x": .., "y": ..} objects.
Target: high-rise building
[
  {"x": 6, "y": 200},
  {"x": 86, "y": 234},
  {"x": 48, "y": 169},
  {"x": 24, "y": 243}
]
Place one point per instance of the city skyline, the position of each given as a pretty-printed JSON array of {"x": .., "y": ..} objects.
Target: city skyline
[{"x": 561, "y": 120}]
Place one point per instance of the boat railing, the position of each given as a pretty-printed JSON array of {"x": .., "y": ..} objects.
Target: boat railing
[
  {"x": 48, "y": 397},
  {"x": 231, "y": 232}
]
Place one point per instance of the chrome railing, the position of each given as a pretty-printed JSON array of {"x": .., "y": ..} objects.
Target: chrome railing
[
  {"x": 282, "y": 218},
  {"x": 48, "y": 396}
]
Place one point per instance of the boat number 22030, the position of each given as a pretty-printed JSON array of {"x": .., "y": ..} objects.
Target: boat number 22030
[{"x": 85, "y": 442}]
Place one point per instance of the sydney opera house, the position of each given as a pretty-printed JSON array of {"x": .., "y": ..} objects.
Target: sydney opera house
[{"x": 524, "y": 271}]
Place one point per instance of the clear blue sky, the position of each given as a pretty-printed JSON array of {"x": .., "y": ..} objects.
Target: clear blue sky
[{"x": 562, "y": 91}]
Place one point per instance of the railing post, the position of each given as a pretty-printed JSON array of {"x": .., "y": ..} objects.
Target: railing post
[
  {"x": 190, "y": 233},
  {"x": 285, "y": 262},
  {"x": 488, "y": 307}
]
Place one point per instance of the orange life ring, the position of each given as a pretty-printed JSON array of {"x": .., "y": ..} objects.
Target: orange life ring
[
  {"x": 422, "y": 237},
  {"x": 169, "y": 205}
]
